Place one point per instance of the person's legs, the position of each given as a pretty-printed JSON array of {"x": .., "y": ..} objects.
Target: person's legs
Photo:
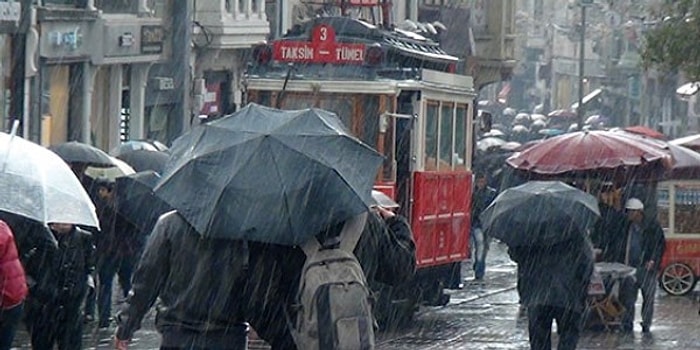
[
  {"x": 42, "y": 326},
  {"x": 9, "y": 319},
  {"x": 569, "y": 326},
  {"x": 540, "y": 327},
  {"x": 106, "y": 272},
  {"x": 648, "y": 287},
  {"x": 90, "y": 299},
  {"x": 479, "y": 252}
]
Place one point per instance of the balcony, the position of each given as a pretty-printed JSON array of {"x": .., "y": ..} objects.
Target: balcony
[{"x": 230, "y": 24}]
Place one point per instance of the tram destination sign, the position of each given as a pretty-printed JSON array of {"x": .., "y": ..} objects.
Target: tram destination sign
[{"x": 323, "y": 48}]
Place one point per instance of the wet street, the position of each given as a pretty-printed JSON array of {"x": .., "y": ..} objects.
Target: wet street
[{"x": 484, "y": 316}]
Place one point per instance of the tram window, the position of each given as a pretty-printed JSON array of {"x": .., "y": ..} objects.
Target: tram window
[
  {"x": 446, "y": 131},
  {"x": 460, "y": 136},
  {"x": 431, "y": 136},
  {"x": 342, "y": 106},
  {"x": 370, "y": 124}
]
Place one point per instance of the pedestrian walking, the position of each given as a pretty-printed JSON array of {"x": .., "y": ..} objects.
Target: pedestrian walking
[
  {"x": 554, "y": 283},
  {"x": 641, "y": 246},
  {"x": 385, "y": 251},
  {"x": 119, "y": 245},
  {"x": 481, "y": 198},
  {"x": 53, "y": 308},
  {"x": 13, "y": 286},
  {"x": 199, "y": 282}
]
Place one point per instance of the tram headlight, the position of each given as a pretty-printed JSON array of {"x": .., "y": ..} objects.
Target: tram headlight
[
  {"x": 374, "y": 55},
  {"x": 262, "y": 54}
]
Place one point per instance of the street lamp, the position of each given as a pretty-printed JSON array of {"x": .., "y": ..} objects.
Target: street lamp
[{"x": 581, "y": 60}]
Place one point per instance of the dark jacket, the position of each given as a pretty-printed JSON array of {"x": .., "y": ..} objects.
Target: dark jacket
[
  {"x": 386, "y": 252},
  {"x": 610, "y": 226},
  {"x": 199, "y": 282},
  {"x": 63, "y": 272},
  {"x": 653, "y": 244},
  {"x": 117, "y": 237},
  {"x": 556, "y": 275},
  {"x": 481, "y": 199}
]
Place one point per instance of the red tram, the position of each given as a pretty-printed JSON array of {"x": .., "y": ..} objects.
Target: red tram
[{"x": 395, "y": 90}]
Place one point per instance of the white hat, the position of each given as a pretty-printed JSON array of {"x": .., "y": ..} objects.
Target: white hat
[{"x": 634, "y": 204}]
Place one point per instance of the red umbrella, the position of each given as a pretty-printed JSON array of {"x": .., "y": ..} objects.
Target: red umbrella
[
  {"x": 645, "y": 131},
  {"x": 686, "y": 162},
  {"x": 692, "y": 142},
  {"x": 587, "y": 150}
]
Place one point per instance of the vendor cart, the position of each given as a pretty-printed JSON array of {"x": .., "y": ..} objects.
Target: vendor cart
[
  {"x": 604, "y": 294},
  {"x": 679, "y": 215}
]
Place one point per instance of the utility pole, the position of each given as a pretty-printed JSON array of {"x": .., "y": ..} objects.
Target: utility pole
[
  {"x": 581, "y": 62},
  {"x": 180, "y": 118}
]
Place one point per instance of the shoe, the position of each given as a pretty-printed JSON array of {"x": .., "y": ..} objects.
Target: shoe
[
  {"x": 89, "y": 319},
  {"x": 645, "y": 328}
]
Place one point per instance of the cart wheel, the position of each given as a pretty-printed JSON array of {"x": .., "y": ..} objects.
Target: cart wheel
[{"x": 677, "y": 279}]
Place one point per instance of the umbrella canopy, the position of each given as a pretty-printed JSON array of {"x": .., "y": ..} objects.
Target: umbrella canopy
[
  {"x": 40, "y": 186},
  {"x": 142, "y": 160},
  {"x": 686, "y": 162},
  {"x": 645, "y": 131},
  {"x": 269, "y": 175},
  {"x": 77, "y": 152},
  {"x": 494, "y": 133},
  {"x": 135, "y": 145},
  {"x": 488, "y": 143},
  {"x": 511, "y": 146},
  {"x": 551, "y": 132},
  {"x": 119, "y": 169},
  {"x": 587, "y": 150},
  {"x": 562, "y": 114},
  {"x": 137, "y": 202},
  {"x": 692, "y": 142},
  {"x": 540, "y": 213}
]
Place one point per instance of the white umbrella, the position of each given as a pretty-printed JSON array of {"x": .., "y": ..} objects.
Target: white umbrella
[
  {"x": 37, "y": 184},
  {"x": 119, "y": 169}
]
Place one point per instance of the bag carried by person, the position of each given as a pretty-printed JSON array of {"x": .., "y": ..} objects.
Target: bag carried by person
[{"x": 334, "y": 308}]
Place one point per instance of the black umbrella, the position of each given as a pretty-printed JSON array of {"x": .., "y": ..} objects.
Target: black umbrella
[
  {"x": 142, "y": 160},
  {"x": 540, "y": 213},
  {"x": 268, "y": 175},
  {"x": 136, "y": 201},
  {"x": 77, "y": 152}
]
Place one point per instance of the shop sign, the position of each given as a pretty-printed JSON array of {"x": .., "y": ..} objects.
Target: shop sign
[
  {"x": 322, "y": 48},
  {"x": 10, "y": 11},
  {"x": 152, "y": 39},
  {"x": 212, "y": 98}
]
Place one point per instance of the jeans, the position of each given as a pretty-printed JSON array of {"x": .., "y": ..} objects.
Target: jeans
[
  {"x": 9, "y": 319},
  {"x": 479, "y": 248},
  {"x": 646, "y": 281},
  {"x": 110, "y": 266},
  {"x": 540, "y": 318}
]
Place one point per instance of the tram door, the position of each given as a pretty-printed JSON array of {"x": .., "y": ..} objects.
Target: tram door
[{"x": 404, "y": 127}]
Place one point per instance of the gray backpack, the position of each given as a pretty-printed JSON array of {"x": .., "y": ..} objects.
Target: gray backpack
[{"x": 334, "y": 309}]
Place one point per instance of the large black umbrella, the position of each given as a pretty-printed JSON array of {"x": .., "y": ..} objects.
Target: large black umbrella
[
  {"x": 269, "y": 175},
  {"x": 143, "y": 160},
  {"x": 136, "y": 201},
  {"x": 540, "y": 213},
  {"x": 77, "y": 152}
]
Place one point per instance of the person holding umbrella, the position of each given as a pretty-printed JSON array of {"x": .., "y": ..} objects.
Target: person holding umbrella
[
  {"x": 553, "y": 252},
  {"x": 199, "y": 282},
  {"x": 53, "y": 314}
]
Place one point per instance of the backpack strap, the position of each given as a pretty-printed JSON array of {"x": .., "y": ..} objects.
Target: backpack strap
[{"x": 349, "y": 236}]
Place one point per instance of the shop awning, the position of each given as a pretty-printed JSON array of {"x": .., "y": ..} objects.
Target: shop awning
[{"x": 588, "y": 98}]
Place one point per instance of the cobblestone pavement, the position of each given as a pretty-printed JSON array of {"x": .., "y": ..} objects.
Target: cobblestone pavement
[{"x": 482, "y": 316}]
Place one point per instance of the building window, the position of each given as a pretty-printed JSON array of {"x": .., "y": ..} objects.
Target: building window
[
  {"x": 118, "y": 6},
  {"x": 66, "y": 3}
]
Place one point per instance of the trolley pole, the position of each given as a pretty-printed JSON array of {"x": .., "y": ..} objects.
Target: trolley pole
[{"x": 581, "y": 63}]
